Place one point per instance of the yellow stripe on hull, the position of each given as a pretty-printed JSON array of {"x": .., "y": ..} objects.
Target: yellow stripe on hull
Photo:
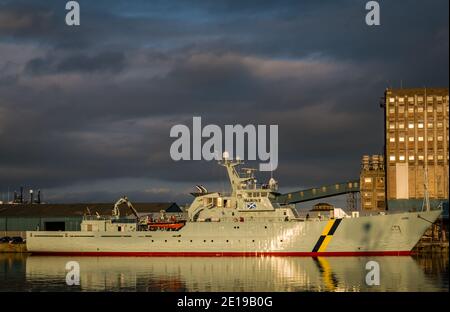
[{"x": 325, "y": 243}]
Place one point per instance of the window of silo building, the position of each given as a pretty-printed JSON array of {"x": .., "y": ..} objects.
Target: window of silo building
[
  {"x": 420, "y": 157},
  {"x": 439, "y": 124},
  {"x": 411, "y": 99},
  {"x": 420, "y": 139},
  {"x": 439, "y": 108},
  {"x": 429, "y": 99},
  {"x": 440, "y": 157},
  {"x": 411, "y": 110},
  {"x": 391, "y": 100},
  {"x": 391, "y": 125},
  {"x": 411, "y": 157},
  {"x": 367, "y": 180},
  {"x": 391, "y": 110},
  {"x": 401, "y": 100},
  {"x": 420, "y": 125},
  {"x": 430, "y": 139},
  {"x": 411, "y": 125},
  {"x": 430, "y": 108},
  {"x": 401, "y": 139},
  {"x": 392, "y": 158},
  {"x": 401, "y": 158},
  {"x": 430, "y": 125},
  {"x": 401, "y": 125},
  {"x": 411, "y": 139},
  {"x": 420, "y": 99},
  {"x": 392, "y": 139},
  {"x": 430, "y": 157},
  {"x": 401, "y": 109},
  {"x": 420, "y": 109}
]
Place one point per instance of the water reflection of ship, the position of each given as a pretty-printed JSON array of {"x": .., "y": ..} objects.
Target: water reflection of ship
[{"x": 231, "y": 273}]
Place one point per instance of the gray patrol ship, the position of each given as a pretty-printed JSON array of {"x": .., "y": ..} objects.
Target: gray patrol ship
[{"x": 246, "y": 222}]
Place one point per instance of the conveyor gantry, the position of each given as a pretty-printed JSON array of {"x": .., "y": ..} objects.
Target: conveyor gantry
[{"x": 318, "y": 192}]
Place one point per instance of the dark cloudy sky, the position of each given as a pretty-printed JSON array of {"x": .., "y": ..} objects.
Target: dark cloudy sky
[{"x": 85, "y": 112}]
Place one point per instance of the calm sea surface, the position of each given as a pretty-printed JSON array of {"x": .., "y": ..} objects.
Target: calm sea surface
[{"x": 19, "y": 272}]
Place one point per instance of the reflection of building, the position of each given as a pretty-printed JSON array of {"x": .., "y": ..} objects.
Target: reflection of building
[
  {"x": 372, "y": 183},
  {"x": 416, "y": 144}
]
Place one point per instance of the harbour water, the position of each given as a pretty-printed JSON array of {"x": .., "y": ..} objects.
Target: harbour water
[{"x": 22, "y": 272}]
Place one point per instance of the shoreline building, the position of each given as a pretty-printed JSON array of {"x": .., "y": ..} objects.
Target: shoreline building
[
  {"x": 16, "y": 219},
  {"x": 416, "y": 147}
]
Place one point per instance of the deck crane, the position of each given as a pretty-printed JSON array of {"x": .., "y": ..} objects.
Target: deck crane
[{"x": 116, "y": 211}]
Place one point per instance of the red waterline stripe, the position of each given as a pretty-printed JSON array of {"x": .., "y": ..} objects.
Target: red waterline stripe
[{"x": 226, "y": 254}]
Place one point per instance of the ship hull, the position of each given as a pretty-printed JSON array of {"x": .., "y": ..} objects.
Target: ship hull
[{"x": 392, "y": 234}]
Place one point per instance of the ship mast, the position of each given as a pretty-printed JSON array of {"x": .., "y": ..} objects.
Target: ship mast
[
  {"x": 426, "y": 200},
  {"x": 236, "y": 181}
]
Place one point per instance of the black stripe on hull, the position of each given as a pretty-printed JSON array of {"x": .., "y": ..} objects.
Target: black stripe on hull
[
  {"x": 319, "y": 243},
  {"x": 334, "y": 227}
]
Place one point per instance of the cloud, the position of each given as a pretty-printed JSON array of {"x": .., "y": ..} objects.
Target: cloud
[
  {"x": 111, "y": 62},
  {"x": 95, "y": 104}
]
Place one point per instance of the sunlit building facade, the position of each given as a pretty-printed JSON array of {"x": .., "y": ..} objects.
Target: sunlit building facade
[
  {"x": 372, "y": 183},
  {"x": 417, "y": 143}
]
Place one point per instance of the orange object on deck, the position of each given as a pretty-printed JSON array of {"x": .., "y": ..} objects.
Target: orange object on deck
[{"x": 174, "y": 226}]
